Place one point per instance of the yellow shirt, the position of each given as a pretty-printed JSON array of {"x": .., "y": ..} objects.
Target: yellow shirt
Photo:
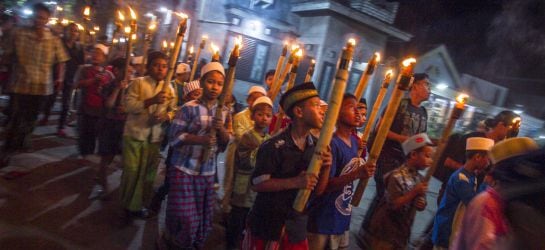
[{"x": 138, "y": 124}]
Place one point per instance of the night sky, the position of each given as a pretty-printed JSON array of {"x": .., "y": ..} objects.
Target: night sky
[{"x": 500, "y": 41}]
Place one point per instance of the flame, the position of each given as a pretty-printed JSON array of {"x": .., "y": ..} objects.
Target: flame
[
  {"x": 65, "y": 22},
  {"x": 286, "y": 43},
  {"x": 96, "y": 28},
  {"x": 92, "y": 32},
  {"x": 53, "y": 21},
  {"x": 181, "y": 15},
  {"x": 407, "y": 62},
  {"x": 389, "y": 73},
  {"x": 313, "y": 61},
  {"x": 120, "y": 15},
  {"x": 152, "y": 26},
  {"x": 172, "y": 44},
  {"x": 299, "y": 53},
  {"x": 115, "y": 40},
  {"x": 204, "y": 37},
  {"x": 215, "y": 49},
  {"x": 133, "y": 37},
  {"x": 377, "y": 57},
  {"x": 352, "y": 41},
  {"x": 294, "y": 47},
  {"x": 87, "y": 11},
  {"x": 80, "y": 27},
  {"x": 191, "y": 49},
  {"x": 128, "y": 29},
  {"x": 165, "y": 44},
  {"x": 133, "y": 15},
  {"x": 238, "y": 41},
  {"x": 59, "y": 8},
  {"x": 462, "y": 98}
]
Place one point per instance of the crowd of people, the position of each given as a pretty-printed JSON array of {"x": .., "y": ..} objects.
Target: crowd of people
[{"x": 492, "y": 194}]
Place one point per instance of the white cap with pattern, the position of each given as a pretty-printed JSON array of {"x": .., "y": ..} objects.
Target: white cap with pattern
[
  {"x": 257, "y": 89},
  {"x": 415, "y": 142},
  {"x": 191, "y": 86},
  {"x": 183, "y": 68}
]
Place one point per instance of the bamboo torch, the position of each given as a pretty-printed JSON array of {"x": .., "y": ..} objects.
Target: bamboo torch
[
  {"x": 376, "y": 107},
  {"x": 277, "y": 85},
  {"x": 215, "y": 53},
  {"x": 147, "y": 41},
  {"x": 291, "y": 82},
  {"x": 332, "y": 114},
  {"x": 87, "y": 22},
  {"x": 226, "y": 91},
  {"x": 128, "y": 50},
  {"x": 164, "y": 48},
  {"x": 279, "y": 65},
  {"x": 182, "y": 26},
  {"x": 196, "y": 59},
  {"x": 294, "y": 67},
  {"x": 310, "y": 71},
  {"x": 404, "y": 82},
  {"x": 455, "y": 114},
  {"x": 364, "y": 80}
]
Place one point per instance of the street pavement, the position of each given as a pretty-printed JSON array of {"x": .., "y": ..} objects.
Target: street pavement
[{"x": 47, "y": 201}]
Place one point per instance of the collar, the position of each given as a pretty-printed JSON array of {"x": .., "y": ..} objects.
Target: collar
[{"x": 286, "y": 135}]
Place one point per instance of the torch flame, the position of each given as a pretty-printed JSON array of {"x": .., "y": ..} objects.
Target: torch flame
[
  {"x": 65, "y": 22},
  {"x": 352, "y": 41},
  {"x": 204, "y": 37},
  {"x": 52, "y": 21},
  {"x": 115, "y": 40},
  {"x": 407, "y": 62},
  {"x": 238, "y": 41},
  {"x": 214, "y": 48},
  {"x": 462, "y": 98},
  {"x": 286, "y": 43},
  {"x": 120, "y": 15},
  {"x": 181, "y": 15},
  {"x": 80, "y": 27},
  {"x": 389, "y": 73},
  {"x": 299, "y": 53},
  {"x": 172, "y": 44},
  {"x": 152, "y": 26},
  {"x": 96, "y": 28},
  {"x": 294, "y": 47},
  {"x": 59, "y": 8},
  {"x": 133, "y": 15},
  {"x": 313, "y": 61},
  {"x": 165, "y": 44},
  {"x": 128, "y": 29},
  {"x": 87, "y": 11},
  {"x": 191, "y": 49},
  {"x": 377, "y": 57},
  {"x": 133, "y": 36}
]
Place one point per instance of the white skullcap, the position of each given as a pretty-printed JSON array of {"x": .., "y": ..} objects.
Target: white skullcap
[
  {"x": 211, "y": 67},
  {"x": 415, "y": 142},
  {"x": 183, "y": 68},
  {"x": 262, "y": 99},
  {"x": 102, "y": 48}
]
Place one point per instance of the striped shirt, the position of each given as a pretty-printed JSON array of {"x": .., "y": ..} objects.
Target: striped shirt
[
  {"x": 35, "y": 59},
  {"x": 194, "y": 118}
]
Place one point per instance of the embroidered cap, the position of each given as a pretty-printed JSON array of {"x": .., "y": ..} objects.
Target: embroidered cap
[
  {"x": 297, "y": 94},
  {"x": 102, "y": 48},
  {"x": 512, "y": 147},
  {"x": 191, "y": 86},
  {"x": 415, "y": 142},
  {"x": 183, "y": 68},
  {"x": 211, "y": 67},
  {"x": 257, "y": 89},
  {"x": 262, "y": 99},
  {"x": 479, "y": 143}
]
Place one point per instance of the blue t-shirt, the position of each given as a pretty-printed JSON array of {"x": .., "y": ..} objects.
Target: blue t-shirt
[
  {"x": 461, "y": 187},
  {"x": 330, "y": 212}
]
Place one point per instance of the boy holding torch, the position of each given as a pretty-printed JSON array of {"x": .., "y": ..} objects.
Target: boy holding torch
[
  {"x": 142, "y": 135},
  {"x": 390, "y": 226},
  {"x": 191, "y": 178},
  {"x": 242, "y": 197},
  {"x": 329, "y": 216},
  {"x": 280, "y": 172}
]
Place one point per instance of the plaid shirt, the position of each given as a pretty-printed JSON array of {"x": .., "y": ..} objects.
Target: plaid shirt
[
  {"x": 194, "y": 118},
  {"x": 34, "y": 61}
]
